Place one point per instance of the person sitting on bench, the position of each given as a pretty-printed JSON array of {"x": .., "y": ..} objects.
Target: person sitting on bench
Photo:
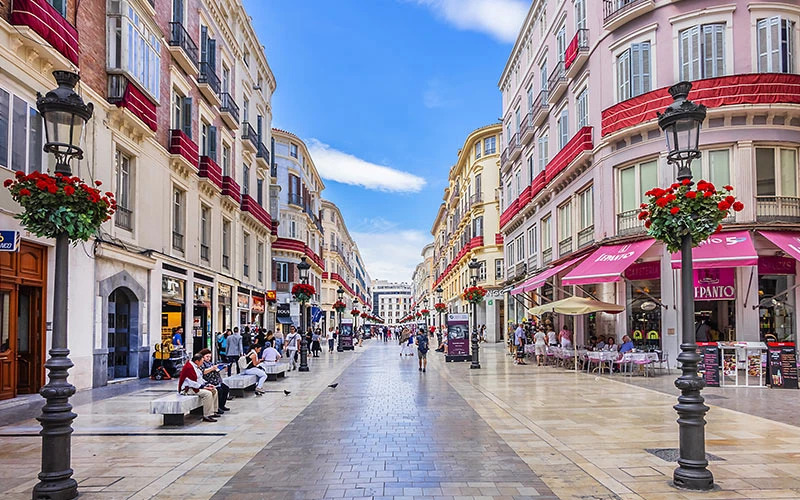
[
  {"x": 191, "y": 382},
  {"x": 212, "y": 376}
]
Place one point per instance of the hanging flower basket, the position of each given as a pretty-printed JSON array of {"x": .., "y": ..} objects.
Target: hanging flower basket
[
  {"x": 440, "y": 307},
  {"x": 474, "y": 294},
  {"x": 683, "y": 209},
  {"x": 339, "y": 306},
  {"x": 57, "y": 204},
  {"x": 432, "y": 329},
  {"x": 303, "y": 292},
  {"x": 355, "y": 312},
  {"x": 364, "y": 315},
  {"x": 425, "y": 312}
]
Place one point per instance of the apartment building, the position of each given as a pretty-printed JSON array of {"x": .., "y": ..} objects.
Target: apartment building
[
  {"x": 581, "y": 146},
  {"x": 181, "y": 92},
  {"x": 467, "y": 227},
  {"x": 391, "y": 301},
  {"x": 422, "y": 280}
]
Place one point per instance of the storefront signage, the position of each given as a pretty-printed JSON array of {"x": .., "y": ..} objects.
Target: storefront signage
[
  {"x": 172, "y": 289},
  {"x": 9, "y": 241},
  {"x": 224, "y": 293},
  {"x": 272, "y": 295},
  {"x": 714, "y": 284},
  {"x": 457, "y": 335},
  {"x": 783, "y": 365},
  {"x": 258, "y": 304},
  {"x": 709, "y": 363},
  {"x": 771, "y": 264},
  {"x": 202, "y": 295},
  {"x": 243, "y": 301},
  {"x": 644, "y": 271},
  {"x": 283, "y": 314}
]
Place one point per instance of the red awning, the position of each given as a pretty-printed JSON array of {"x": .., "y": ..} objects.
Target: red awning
[
  {"x": 734, "y": 249},
  {"x": 607, "y": 263}
]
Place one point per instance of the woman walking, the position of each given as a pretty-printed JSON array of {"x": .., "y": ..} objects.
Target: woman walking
[{"x": 540, "y": 345}]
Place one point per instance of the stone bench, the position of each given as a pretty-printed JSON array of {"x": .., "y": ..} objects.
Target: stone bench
[
  {"x": 238, "y": 383},
  {"x": 274, "y": 372},
  {"x": 175, "y": 406}
]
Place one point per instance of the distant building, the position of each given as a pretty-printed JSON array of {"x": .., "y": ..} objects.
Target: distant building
[{"x": 391, "y": 301}]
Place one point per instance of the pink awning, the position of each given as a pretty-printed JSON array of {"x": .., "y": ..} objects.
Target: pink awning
[
  {"x": 788, "y": 241},
  {"x": 539, "y": 280},
  {"x": 607, "y": 263},
  {"x": 734, "y": 249},
  {"x": 518, "y": 289}
]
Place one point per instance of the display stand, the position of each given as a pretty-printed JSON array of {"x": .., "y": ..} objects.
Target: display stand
[
  {"x": 743, "y": 364},
  {"x": 457, "y": 338}
]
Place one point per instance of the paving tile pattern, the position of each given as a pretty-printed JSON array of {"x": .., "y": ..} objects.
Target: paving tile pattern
[{"x": 387, "y": 432}]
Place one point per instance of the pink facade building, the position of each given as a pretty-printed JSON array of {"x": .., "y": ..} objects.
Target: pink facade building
[{"x": 581, "y": 145}]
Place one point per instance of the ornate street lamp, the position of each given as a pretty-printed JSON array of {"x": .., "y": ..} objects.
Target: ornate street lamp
[
  {"x": 681, "y": 123},
  {"x": 65, "y": 115},
  {"x": 303, "y": 268},
  {"x": 340, "y": 294},
  {"x": 473, "y": 273},
  {"x": 439, "y": 292}
]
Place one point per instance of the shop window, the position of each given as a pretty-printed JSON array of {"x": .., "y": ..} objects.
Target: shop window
[
  {"x": 21, "y": 134},
  {"x": 776, "y": 172}
]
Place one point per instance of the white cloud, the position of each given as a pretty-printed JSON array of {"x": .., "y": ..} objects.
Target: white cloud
[
  {"x": 343, "y": 167},
  {"x": 391, "y": 254},
  {"x": 498, "y": 18},
  {"x": 434, "y": 95}
]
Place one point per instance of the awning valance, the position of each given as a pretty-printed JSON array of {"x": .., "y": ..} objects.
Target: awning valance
[
  {"x": 539, "y": 280},
  {"x": 607, "y": 263},
  {"x": 734, "y": 249},
  {"x": 788, "y": 241}
]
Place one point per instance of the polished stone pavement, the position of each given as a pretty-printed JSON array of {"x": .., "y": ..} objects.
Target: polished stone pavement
[{"x": 388, "y": 431}]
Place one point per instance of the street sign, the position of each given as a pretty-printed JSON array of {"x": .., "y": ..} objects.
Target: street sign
[{"x": 9, "y": 241}]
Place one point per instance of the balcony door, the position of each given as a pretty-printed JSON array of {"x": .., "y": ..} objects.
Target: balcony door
[{"x": 177, "y": 11}]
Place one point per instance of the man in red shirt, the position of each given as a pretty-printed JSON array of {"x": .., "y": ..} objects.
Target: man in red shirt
[{"x": 191, "y": 382}]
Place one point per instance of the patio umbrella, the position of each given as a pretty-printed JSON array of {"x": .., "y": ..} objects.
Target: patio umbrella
[{"x": 576, "y": 306}]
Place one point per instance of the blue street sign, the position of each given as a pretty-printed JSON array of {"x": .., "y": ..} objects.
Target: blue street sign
[{"x": 9, "y": 241}]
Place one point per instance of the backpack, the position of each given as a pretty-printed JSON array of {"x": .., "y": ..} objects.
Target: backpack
[
  {"x": 244, "y": 361},
  {"x": 422, "y": 343}
]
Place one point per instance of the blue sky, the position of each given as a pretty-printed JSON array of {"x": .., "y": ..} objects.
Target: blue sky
[{"x": 384, "y": 93}]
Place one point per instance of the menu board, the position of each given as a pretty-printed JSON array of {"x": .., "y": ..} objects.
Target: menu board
[
  {"x": 783, "y": 365},
  {"x": 709, "y": 363},
  {"x": 729, "y": 363}
]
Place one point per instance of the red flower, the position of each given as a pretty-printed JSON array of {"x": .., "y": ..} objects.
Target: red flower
[
  {"x": 69, "y": 190},
  {"x": 109, "y": 194},
  {"x": 719, "y": 228},
  {"x": 41, "y": 185},
  {"x": 662, "y": 202},
  {"x": 98, "y": 183},
  {"x": 710, "y": 187},
  {"x": 708, "y": 194},
  {"x": 675, "y": 186},
  {"x": 738, "y": 206},
  {"x": 686, "y": 182},
  {"x": 730, "y": 199},
  {"x": 670, "y": 197},
  {"x": 674, "y": 210},
  {"x": 8, "y": 182},
  {"x": 24, "y": 192},
  {"x": 643, "y": 205},
  {"x": 52, "y": 188},
  {"x": 19, "y": 174},
  {"x": 648, "y": 223},
  {"x": 691, "y": 194},
  {"x": 728, "y": 188},
  {"x": 723, "y": 205},
  {"x": 643, "y": 215}
]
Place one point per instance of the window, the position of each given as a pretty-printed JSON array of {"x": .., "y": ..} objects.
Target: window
[
  {"x": 293, "y": 150},
  {"x": 489, "y": 145},
  {"x": 586, "y": 208},
  {"x": 701, "y": 51},
  {"x": 532, "y": 241},
  {"x": 561, "y": 43},
  {"x": 205, "y": 232},
  {"x": 182, "y": 113},
  {"x": 509, "y": 193},
  {"x": 498, "y": 269},
  {"x": 564, "y": 221},
  {"x": 543, "y": 155},
  {"x": 633, "y": 182},
  {"x": 547, "y": 242},
  {"x": 478, "y": 186},
  {"x": 563, "y": 128},
  {"x": 60, "y": 6},
  {"x": 226, "y": 244},
  {"x": 245, "y": 179},
  {"x": 203, "y": 138},
  {"x": 226, "y": 78},
  {"x": 633, "y": 71},
  {"x": 226, "y": 160},
  {"x": 582, "y": 108},
  {"x": 178, "y": 206},
  {"x": 580, "y": 14},
  {"x": 713, "y": 166},
  {"x": 245, "y": 110},
  {"x": 260, "y": 191},
  {"x": 530, "y": 98},
  {"x": 477, "y": 150},
  {"x": 509, "y": 135},
  {"x": 543, "y": 20},
  {"x": 543, "y": 78},
  {"x": 519, "y": 246},
  {"x": 133, "y": 48},
  {"x": 776, "y": 172},
  {"x": 282, "y": 272},
  {"x": 517, "y": 121},
  {"x": 123, "y": 215},
  {"x": 482, "y": 271},
  {"x": 246, "y": 58},
  {"x": 292, "y": 229},
  {"x": 477, "y": 227},
  {"x": 246, "y": 255},
  {"x": 518, "y": 182},
  {"x": 775, "y": 45},
  {"x": 260, "y": 263},
  {"x": 21, "y": 134},
  {"x": 531, "y": 168}
]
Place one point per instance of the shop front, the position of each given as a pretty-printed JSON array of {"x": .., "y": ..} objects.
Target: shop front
[
  {"x": 201, "y": 323},
  {"x": 173, "y": 306},
  {"x": 224, "y": 311},
  {"x": 644, "y": 305},
  {"x": 257, "y": 309},
  {"x": 243, "y": 306}
]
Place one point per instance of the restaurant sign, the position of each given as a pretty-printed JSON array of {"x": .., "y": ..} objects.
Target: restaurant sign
[{"x": 714, "y": 284}]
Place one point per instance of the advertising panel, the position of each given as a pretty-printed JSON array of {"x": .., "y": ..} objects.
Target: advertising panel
[{"x": 457, "y": 337}]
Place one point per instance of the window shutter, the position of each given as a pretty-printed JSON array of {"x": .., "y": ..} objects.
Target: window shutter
[
  {"x": 212, "y": 54},
  {"x": 212, "y": 143},
  {"x": 187, "y": 116},
  {"x": 640, "y": 68},
  {"x": 177, "y": 11},
  {"x": 774, "y": 44},
  {"x": 690, "y": 53},
  {"x": 787, "y": 46},
  {"x": 763, "y": 60},
  {"x": 275, "y": 276},
  {"x": 203, "y": 44},
  {"x": 624, "y": 75},
  {"x": 290, "y": 266}
]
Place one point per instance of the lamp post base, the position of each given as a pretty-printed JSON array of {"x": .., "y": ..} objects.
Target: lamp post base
[{"x": 54, "y": 488}]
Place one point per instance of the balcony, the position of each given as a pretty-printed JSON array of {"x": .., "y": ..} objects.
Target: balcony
[
  {"x": 547, "y": 256},
  {"x": 618, "y": 12},
  {"x": 475, "y": 199},
  {"x": 628, "y": 222},
  {"x": 249, "y": 138},
  {"x": 541, "y": 106},
  {"x": 123, "y": 218},
  {"x": 557, "y": 83},
  {"x": 229, "y": 110},
  {"x": 577, "y": 52},
  {"x": 256, "y": 211},
  {"x": 585, "y": 236},
  {"x": 565, "y": 246},
  {"x": 184, "y": 153},
  {"x": 42, "y": 20},
  {"x": 134, "y": 109},
  {"x": 296, "y": 199},
  {"x": 262, "y": 155},
  {"x": 455, "y": 193},
  {"x": 208, "y": 84},
  {"x": 183, "y": 48},
  {"x": 210, "y": 172},
  {"x": 526, "y": 129},
  {"x": 777, "y": 208},
  {"x": 514, "y": 148},
  {"x": 231, "y": 189}
]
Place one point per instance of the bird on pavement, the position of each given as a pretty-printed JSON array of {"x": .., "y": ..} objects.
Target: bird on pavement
[
  {"x": 286, "y": 392},
  {"x": 333, "y": 386}
]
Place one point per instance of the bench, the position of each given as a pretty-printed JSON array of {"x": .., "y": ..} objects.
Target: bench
[
  {"x": 238, "y": 383},
  {"x": 175, "y": 406},
  {"x": 276, "y": 371}
]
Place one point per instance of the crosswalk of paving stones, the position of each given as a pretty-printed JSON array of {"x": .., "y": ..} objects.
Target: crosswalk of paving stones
[{"x": 387, "y": 431}]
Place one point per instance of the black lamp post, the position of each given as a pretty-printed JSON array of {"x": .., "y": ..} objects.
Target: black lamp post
[
  {"x": 425, "y": 318},
  {"x": 340, "y": 293},
  {"x": 473, "y": 273},
  {"x": 439, "y": 292},
  {"x": 303, "y": 268},
  {"x": 65, "y": 116},
  {"x": 681, "y": 123}
]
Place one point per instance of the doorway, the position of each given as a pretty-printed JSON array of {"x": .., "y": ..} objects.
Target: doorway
[{"x": 120, "y": 333}]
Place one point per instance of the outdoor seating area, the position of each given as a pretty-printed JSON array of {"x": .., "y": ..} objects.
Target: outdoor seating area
[{"x": 632, "y": 363}]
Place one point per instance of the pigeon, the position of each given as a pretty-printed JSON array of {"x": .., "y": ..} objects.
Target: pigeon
[
  {"x": 287, "y": 392},
  {"x": 333, "y": 386}
]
